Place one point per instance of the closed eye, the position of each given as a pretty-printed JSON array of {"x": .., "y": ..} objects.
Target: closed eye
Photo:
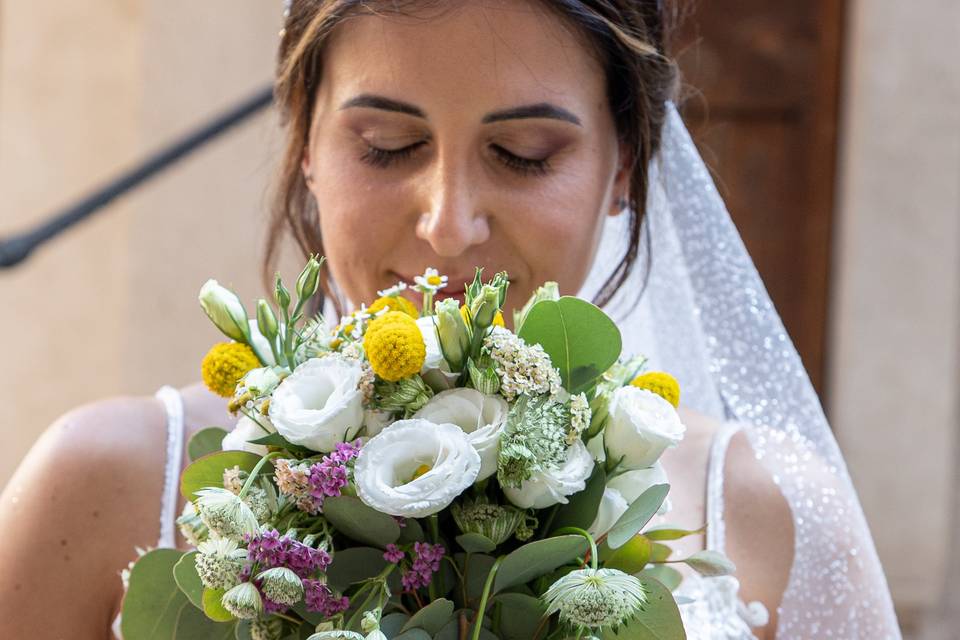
[{"x": 384, "y": 158}]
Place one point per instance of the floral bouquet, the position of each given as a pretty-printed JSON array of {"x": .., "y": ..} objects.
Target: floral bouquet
[{"x": 422, "y": 473}]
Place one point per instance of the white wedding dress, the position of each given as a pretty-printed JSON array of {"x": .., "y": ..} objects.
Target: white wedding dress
[{"x": 714, "y": 613}]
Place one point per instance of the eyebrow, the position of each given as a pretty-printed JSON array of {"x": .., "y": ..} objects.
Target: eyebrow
[{"x": 539, "y": 110}]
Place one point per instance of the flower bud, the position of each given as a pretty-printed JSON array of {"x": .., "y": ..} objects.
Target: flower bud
[
  {"x": 281, "y": 585},
  {"x": 484, "y": 307},
  {"x": 243, "y": 601},
  {"x": 453, "y": 333},
  {"x": 549, "y": 291},
  {"x": 280, "y": 294},
  {"x": 494, "y": 521},
  {"x": 309, "y": 279},
  {"x": 484, "y": 380},
  {"x": 225, "y": 310},
  {"x": 267, "y": 320}
]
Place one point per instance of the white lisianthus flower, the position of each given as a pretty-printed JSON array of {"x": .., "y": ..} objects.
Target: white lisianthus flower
[
  {"x": 641, "y": 427},
  {"x": 547, "y": 488},
  {"x": 245, "y": 431},
  {"x": 261, "y": 382},
  {"x": 260, "y": 344},
  {"x": 320, "y": 404},
  {"x": 481, "y": 416},
  {"x": 632, "y": 483},
  {"x": 225, "y": 310},
  {"x": 415, "y": 468},
  {"x": 612, "y": 506}
]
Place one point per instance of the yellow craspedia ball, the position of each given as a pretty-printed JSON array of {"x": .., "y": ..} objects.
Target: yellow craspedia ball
[
  {"x": 394, "y": 346},
  {"x": 661, "y": 383},
  {"x": 394, "y": 303},
  {"x": 225, "y": 364},
  {"x": 497, "y": 319}
]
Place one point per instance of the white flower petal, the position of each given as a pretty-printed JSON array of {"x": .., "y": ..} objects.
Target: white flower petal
[
  {"x": 641, "y": 427},
  {"x": 548, "y": 488},
  {"x": 612, "y": 506},
  {"x": 239, "y": 439}
]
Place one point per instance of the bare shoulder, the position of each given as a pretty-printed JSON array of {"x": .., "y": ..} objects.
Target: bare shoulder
[{"x": 72, "y": 514}]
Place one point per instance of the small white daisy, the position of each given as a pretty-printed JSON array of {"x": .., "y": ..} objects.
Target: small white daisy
[
  {"x": 393, "y": 291},
  {"x": 430, "y": 282}
]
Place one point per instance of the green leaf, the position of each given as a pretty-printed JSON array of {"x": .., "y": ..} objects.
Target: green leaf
[
  {"x": 638, "y": 515},
  {"x": 581, "y": 340},
  {"x": 582, "y": 508},
  {"x": 537, "y": 558},
  {"x": 357, "y": 521},
  {"x": 208, "y": 470},
  {"x": 242, "y": 630},
  {"x": 476, "y": 571},
  {"x": 213, "y": 607},
  {"x": 391, "y": 624},
  {"x": 186, "y": 577},
  {"x": 659, "y": 620},
  {"x": 711, "y": 563},
  {"x": 631, "y": 557},
  {"x": 414, "y": 634},
  {"x": 451, "y": 630},
  {"x": 671, "y": 533},
  {"x": 659, "y": 552},
  {"x": 520, "y": 615},
  {"x": 276, "y": 440},
  {"x": 353, "y": 565},
  {"x": 192, "y": 623},
  {"x": 205, "y": 442},
  {"x": 667, "y": 576},
  {"x": 431, "y": 618},
  {"x": 476, "y": 543},
  {"x": 152, "y": 604},
  {"x": 411, "y": 532}
]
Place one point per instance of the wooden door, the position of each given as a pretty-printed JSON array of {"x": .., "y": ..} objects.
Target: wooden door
[{"x": 765, "y": 81}]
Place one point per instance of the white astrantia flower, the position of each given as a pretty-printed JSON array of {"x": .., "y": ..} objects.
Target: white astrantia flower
[
  {"x": 225, "y": 513},
  {"x": 191, "y": 525},
  {"x": 220, "y": 562},
  {"x": 266, "y": 629},
  {"x": 480, "y": 416},
  {"x": 243, "y": 601},
  {"x": 547, "y": 488},
  {"x": 595, "y": 598},
  {"x": 612, "y": 506},
  {"x": 631, "y": 484},
  {"x": 320, "y": 404},
  {"x": 415, "y": 468},
  {"x": 336, "y": 635},
  {"x": 245, "y": 431},
  {"x": 430, "y": 282},
  {"x": 282, "y": 585},
  {"x": 640, "y": 428}
]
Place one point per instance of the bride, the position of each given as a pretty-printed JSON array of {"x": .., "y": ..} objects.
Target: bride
[{"x": 536, "y": 137}]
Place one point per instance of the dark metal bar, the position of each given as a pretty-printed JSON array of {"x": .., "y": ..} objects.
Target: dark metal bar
[{"x": 17, "y": 248}]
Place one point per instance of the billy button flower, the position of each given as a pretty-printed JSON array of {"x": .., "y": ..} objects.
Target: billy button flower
[
  {"x": 394, "y": 303},
  {"x": 394, "y": 346},
  {"x": 225, "y": 365},
  {"x": 660, "y": 383}
]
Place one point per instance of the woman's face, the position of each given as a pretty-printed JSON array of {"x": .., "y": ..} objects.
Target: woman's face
[{"x": 482, "y": 137}]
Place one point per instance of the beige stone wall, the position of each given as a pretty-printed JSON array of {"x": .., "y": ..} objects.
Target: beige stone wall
[
  {"x": 896, "y": 327},
  {"x": 86, "y": 87}
]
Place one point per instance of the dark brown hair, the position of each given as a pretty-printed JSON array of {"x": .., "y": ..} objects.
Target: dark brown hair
[{"x": 628, "y": 37}]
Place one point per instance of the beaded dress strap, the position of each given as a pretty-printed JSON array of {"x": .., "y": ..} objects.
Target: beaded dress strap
[
  {"x": 715, "y": 465},
  {"x": 173, "y": 403}
]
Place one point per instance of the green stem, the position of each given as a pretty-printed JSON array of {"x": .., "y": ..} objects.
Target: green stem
[
  {"x": 546, "y": 525},
  {"x": 487, "y": 585},
  {"x": 256, "y": 470},
  {"x": 585, "y": 534}
]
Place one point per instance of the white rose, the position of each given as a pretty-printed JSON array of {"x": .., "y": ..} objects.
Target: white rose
[
  {"x": 480, "y": 416},
  {"x": 641, "y": 426},
  {"x": 239, "y": 439},
  {"x": 632, "y": 483},
  {"x": 612, "y": 506},
  {"x": 319, "y": 404},
  {"x": 436, "y": 370},
  {"x": 415, "y": 468},
  {"x": 547, "y": 488}
]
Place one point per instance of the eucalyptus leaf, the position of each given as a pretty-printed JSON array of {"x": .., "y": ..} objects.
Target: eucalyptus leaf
[
  {"x": 213, "y": 607},
  {"x": 192, "y": 623},
  {"x": 520, "y": 615},
  {"x": 205, "y": 442},
  {"x": 631, "y": 557},
  {"x": 414, "y": 634},
  {"x": 242, "y": 630},
  {"x": 276, "y": 440},
  {"x": 411, "y": 531},
  {"x": 583, "y": 506},
  {"x": 353, "y": 565},
  {"x": 186, "y": 577},
  {"x": 659, "y": 552},
  {"x": 667, "y": 576},
  {"x": 391, "y": 624},
  {"x": 637, "y": 515},
  {"x": 357, "y": 521},
  {"x": 451, "y": 630},
  {"x": 581, "y": 340},
  {"x": 431, "y": 618},
  {"x": 659, "y": 620},
  {"x": 153, "y": 601},
  {"x": 476, "y": 543},
  {"x": 667, "y": 533},
  {"x": 475, "y": 571},
  {"x": 208, "y": 470},
  {"x": 711, "y": 563},
  {"x": 537, "y": 558}
]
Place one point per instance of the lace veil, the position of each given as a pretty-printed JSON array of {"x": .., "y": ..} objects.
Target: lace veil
[{"x": 705, "y": 316}]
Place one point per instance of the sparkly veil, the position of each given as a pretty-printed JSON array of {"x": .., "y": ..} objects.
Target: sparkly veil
[{"x": 706, "y": 317}]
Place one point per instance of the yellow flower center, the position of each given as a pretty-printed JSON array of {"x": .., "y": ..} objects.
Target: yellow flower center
[
  {"x": 422, "y": 469},
  {"x": 434, "y": 280}
]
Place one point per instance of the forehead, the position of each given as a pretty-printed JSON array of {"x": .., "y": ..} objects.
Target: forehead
[{"x": 473, "y": 55}]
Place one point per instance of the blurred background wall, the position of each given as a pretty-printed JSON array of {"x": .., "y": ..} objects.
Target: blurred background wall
[{"x": 833, "y": 128}]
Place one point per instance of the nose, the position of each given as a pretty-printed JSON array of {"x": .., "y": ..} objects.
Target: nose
[{"x": 452, "y": 222}]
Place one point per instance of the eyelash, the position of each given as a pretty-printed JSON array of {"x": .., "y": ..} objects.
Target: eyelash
[{"x": 383, "y": 158}]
